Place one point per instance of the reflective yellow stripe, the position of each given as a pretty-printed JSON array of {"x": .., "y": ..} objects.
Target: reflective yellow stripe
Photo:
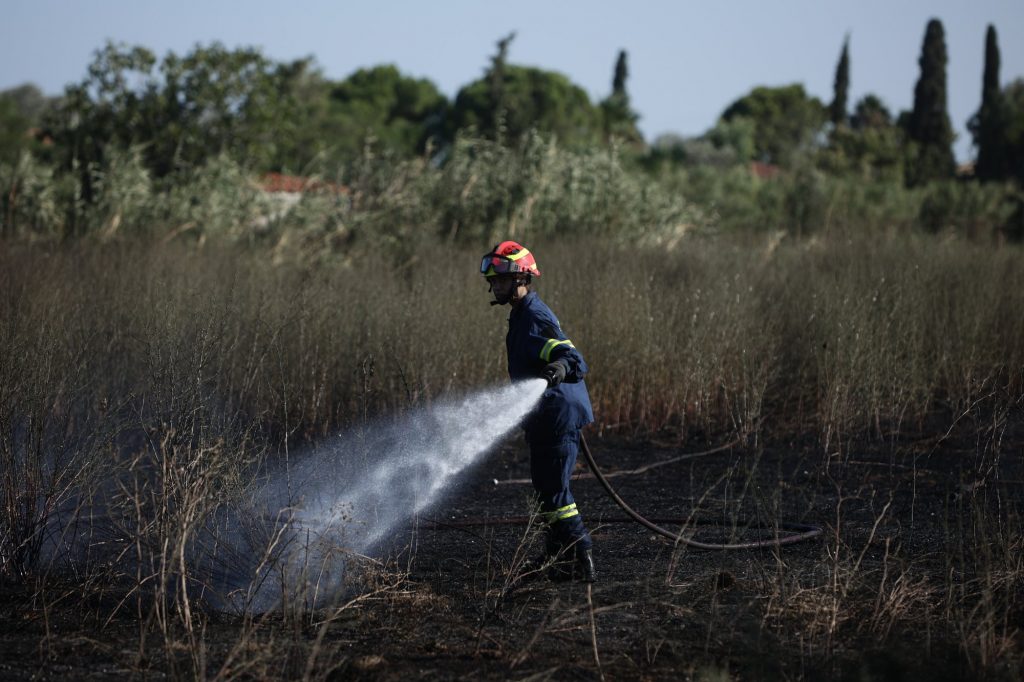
[
  {"x": 524, "y": 252},
  {"x": 545, "y": 353},
  {"x": 562, "y": 513}
]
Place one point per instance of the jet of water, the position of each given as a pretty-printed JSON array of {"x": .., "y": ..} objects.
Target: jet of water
[
  {"x": 411, "y": 462},
  {"x": 348, "y": 495}
]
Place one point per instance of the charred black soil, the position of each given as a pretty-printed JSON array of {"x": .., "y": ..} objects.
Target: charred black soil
[{"x": 917, "y": 575}]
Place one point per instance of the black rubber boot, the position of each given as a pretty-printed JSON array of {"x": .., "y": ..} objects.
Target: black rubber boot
[{"x": 585, "y": 563}]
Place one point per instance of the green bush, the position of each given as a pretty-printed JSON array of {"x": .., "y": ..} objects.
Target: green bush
[
  {"x": 29, "y": 199},
  {"x": 479, "y": 190}
]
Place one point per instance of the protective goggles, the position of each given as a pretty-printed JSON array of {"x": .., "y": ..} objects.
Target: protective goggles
[{"x": 493, "y": 264}]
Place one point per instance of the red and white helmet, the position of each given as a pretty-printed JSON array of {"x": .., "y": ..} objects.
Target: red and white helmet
[{"x": 509, "y": 258}]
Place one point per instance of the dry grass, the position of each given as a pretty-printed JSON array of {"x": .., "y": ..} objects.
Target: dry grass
[{"x": 150, "y": 382}]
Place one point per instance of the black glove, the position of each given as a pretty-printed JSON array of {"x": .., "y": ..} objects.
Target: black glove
[{"x": 555, "y": 372}]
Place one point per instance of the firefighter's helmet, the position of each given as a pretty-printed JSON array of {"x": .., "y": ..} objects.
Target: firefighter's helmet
[{"x": 509, "y": 258}]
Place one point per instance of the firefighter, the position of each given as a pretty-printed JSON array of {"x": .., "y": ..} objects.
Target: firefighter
[{"x": 537, "y": 348}]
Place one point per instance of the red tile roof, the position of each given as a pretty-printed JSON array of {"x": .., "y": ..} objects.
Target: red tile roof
[
  {"x": 764, "y": 170},
  {"x": 294, "y": 184}
]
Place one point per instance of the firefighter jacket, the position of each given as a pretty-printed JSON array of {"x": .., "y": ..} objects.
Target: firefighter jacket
[{"x": 534, "y": 339}]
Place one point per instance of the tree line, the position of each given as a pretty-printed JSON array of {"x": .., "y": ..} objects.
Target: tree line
[
  {"x": 280, "y": 116},
  {"x": 785, "y": 124},
  {"x": 179, "y": 112}
]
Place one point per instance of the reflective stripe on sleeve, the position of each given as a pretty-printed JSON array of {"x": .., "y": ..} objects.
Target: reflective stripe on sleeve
[{"x": 545, "y": 352}]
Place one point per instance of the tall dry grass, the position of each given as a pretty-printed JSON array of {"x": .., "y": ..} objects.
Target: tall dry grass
[
  {"x": 149, "y": 381},
  {"x": 842, "y": 337},
  {"x": 837, "y": 338}
]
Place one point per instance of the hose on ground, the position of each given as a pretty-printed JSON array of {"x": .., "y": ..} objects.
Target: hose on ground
[
  {"x": 796, "y": 532},
  {"x": 800, "y": 532}
]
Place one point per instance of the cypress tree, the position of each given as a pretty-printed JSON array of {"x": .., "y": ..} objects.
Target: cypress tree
[
  {"x": 619, "y": 118},
  {"x": 621, "y": 73},
  {"x": 841, "y": 86},
  {"x": 928, "y": 127},
  {"x": 988, "y": 125}
]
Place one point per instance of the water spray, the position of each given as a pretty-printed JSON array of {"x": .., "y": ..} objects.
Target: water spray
[
  {"x": 347, "y": 496},
  {"x": 415, "y": 459}
]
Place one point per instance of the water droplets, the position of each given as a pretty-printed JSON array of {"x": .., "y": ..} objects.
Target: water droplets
[{"x": 347, "y": 496}]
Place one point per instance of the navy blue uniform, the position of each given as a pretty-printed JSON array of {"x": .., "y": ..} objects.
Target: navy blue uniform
[{"x": 534, "y": 339}]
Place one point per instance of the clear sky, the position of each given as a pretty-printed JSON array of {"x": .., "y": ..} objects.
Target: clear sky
[{"x": 687, "y": 60}]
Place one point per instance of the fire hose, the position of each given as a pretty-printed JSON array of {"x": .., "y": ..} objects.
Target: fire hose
[
  {"x": 796, "y": 532},
  {"x": 800, "y": 531}
]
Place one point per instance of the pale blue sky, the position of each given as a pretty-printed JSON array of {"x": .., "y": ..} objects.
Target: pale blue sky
[{"x": 688, "y": 60}]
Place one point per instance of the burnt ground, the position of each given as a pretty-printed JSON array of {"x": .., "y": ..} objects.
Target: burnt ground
[{"x": 917, "y": 575}]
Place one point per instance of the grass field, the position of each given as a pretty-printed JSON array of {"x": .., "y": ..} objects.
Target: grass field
[{"x": 160, "y": 377}]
